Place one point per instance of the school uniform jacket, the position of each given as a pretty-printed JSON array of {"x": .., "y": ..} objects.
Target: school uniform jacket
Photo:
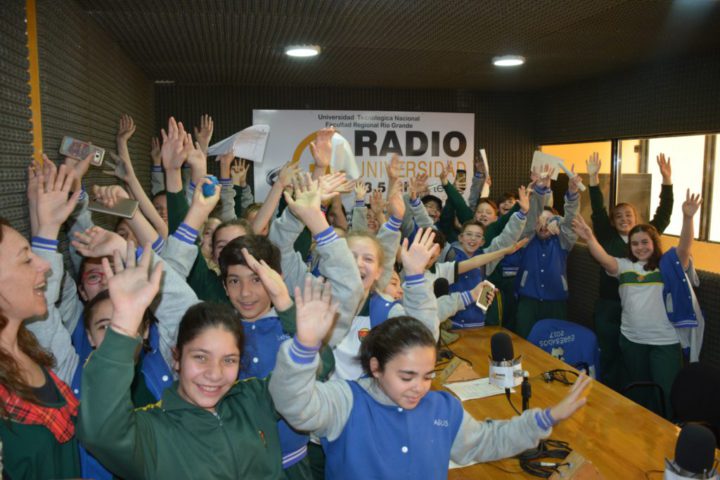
[
  {"x": 367, "y": 435},
  {"x": 174, "y": 439}
]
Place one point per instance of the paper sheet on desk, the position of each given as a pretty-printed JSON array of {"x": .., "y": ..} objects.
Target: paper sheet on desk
[{"x": 472, "y": 389}]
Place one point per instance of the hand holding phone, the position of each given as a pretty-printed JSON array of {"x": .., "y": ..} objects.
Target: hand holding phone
[
  {"x": 79, "y": 150},
  {"x": 486, "y": 295}
]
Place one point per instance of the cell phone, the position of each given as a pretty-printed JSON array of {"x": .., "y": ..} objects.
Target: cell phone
[
  {"x": 484, "y": 300},
  {"x": 124, "y": 208},
  {"x": 71, "y": 147},
  {"x": 460, "y": 175}
]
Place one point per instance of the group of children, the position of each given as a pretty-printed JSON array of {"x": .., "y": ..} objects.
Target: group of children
[{"x": 212, "y": 336}]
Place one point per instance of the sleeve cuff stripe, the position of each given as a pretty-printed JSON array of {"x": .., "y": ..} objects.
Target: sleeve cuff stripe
[
  {"x": 520, "y": 215},
  {"x": 156, "y": 169},
  {"x": 44, "y": 247},
  {"x": 416, "y": 202},
  {"x": 184, "y": 238},
  {"x": 187, "y": 228},
  {"x": 467, "y": 298},
  {"x": 44, "y": 241},
  {"x": 413, "y": 283},
  {"x": 327, "y": 241},
  {"x": 360, "y": 203},
  {"x": 325, "y": 234},
  {"x": 395, "y": 222}
]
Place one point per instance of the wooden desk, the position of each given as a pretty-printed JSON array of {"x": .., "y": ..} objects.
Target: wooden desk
[{"x": 622, "y": 439}]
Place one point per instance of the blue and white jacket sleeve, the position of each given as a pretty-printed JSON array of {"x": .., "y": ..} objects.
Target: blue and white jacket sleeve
[
  {"x": 283, "y": 233},
  {"x": 306, "y": 404},
  {"x": 495, "y": 439},
  {"x": 389, "y": 238},
  {"x": 572, "y": 205},
  {"x": 419, "y": 301},
  {"x": 180, "y": 251}
]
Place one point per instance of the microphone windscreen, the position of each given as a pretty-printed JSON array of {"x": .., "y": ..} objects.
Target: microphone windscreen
[
  {"x": 695, "y": 449},
  {"x": 501, "y": 347},
  {"x": 441, "y": 287}
]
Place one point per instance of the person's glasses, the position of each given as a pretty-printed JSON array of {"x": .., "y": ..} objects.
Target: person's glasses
[{"x": 93, "y": 278}]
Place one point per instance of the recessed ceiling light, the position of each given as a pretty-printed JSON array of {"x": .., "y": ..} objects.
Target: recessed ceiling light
[
  {"x": 302, "y": 50},
  {"x": 508, "y": 60}
]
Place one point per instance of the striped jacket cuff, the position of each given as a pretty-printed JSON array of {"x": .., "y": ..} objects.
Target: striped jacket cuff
[
  {"x": 326, "y": 236},
  {"x": 359, "y": 203},
  {"x": 571, "y": 195},
  {"x": 158, "y": 245},
  {"x": 301, "y": 354},
  {"x": 521, "y": 215},
  {"x": 541, "y": 190},
  {"x": 156, "y": 169},
  {"x": 544, "y": 420},
  {"x": 44, "y": 244},
  {"x": 467, "y": 297},
  {"x": 226, "y": 182},
  {"x": 412, "y": 280},
  {"x": 186, "y": 233},
  {"x": 415, "y": 203},
  {"x": 393, "y": 224}
]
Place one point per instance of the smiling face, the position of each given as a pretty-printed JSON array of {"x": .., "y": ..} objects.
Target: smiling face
[
  {"x": 247, "y": 292},
  {"x": 471, "y": 238},
  {"x": 367, "y": 256},
  {"x": 372, "y": 223},
  {"x": 22, "y": 278},
  {"x": 394, "y": 287},
  {"x": 407, "y": 376},
  {"x": 208, "y": 367},
  {"x": 506, "y": 205},
  {"x": 433, "y": 210},
  {"x": 623, "y": 219},
  {"x": 485, "y": 214},
  {"x": 92, "y": 279},
  {"x": 642, "y": 246}
]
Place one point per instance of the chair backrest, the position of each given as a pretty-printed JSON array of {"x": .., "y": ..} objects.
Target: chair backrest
[
  {"x": 572, "y": 343},
  {"x": 695, "y": 396}
]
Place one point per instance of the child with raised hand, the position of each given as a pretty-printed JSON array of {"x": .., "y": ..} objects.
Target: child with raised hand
[
  {"x": 250, "y": 268},
  {"x": 207, "y": 424},
  {"x": 390, "y": 421},
  {"x": 541, "y": 282},
  {"x": 376, "y": 307},
  {"x": 659, "y": 309},
  {"x": 612, "y": 231},
  {"x": 473, "y": 262}
]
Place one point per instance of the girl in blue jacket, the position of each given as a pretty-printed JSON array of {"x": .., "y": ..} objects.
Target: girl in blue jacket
[{"x": 389, "y": 424}]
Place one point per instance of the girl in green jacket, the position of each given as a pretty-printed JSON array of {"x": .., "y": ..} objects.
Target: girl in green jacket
[{"x": 207, "y": 425}]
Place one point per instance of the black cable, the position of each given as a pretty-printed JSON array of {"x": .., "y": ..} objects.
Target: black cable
[
  {"x": 531, "y": 461},
  {"x": 507, "y": 395},
  {"x": 559, "y": 375},
  {"x": 441, "y": 341}
]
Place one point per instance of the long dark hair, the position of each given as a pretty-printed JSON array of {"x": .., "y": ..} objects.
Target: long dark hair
[
  {"x": 10, "y": 375},
  {"x": 654, "y": 260},
  {"x": 391, "y": 338}
]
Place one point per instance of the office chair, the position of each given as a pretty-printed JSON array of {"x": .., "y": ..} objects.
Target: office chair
[{"x": 570, "y": 342}]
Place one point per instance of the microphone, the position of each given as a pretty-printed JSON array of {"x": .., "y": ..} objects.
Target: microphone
[
  {"x": 441, "y": 287},
  {"x": 694, "y": 454},
  {"x": 505, "y": 370}
]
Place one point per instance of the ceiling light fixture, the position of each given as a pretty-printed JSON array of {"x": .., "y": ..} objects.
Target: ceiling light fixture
[
  {"x": 508, "y": 60},
  {"x": 302, "y": 50}
]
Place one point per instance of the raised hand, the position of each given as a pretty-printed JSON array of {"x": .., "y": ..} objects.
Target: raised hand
[
  {"x": 238, "y": 172},
  {"x": 172, "y": 151},
  {"x": 109, "y": 195},
  {"x": 444, "y": 172},
  {"x": 201, "y": 206},
  {"x": 488, "y": 180},
  {"x": 54, "y": 203},
  {"x": 691, "y": 204},
  {"x": 98, "y": 242},
  {"x": 377, "y": 203},
  {"x": 574, "y": 181},
  {"x": 122, "y": 167},
  {"x": 79, "y": 168},
  {"x": 321, "y": 149},
  {"x": 287, "y": 174},
  {"x": 307, "y": 197},
  {"x": 524, "y": 199},
  {"x": 360, "y": 191},
  {"x": 393, "y": 168},
  {"x": 574, "y": 400},
  {"x": 416, "y": 257},
  {"x": 204, "y": 133},
  {"x": 516, "y": 246},
  {"x": 132, "y": 288},
  {"x": 272, "y": 281},
  {"x": 195, "y": 157},
  {"x": 475, "y": 292},
  {"x": 155, "y": 151},
  {"x": 315, "y": 311},
  {"x": 581, "y": 228},
  {"x": 395, "y": 201},
  {"x": 329, "y": 185},
  {"x": 418, "y": 186},
  {"x": 593, "y": 164},
  {"x": 665, "y": 169},
  {"x": 126, "y": 128},
  {"x": 543, "y": 177}
]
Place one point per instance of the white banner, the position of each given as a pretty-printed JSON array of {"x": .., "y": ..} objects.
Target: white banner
[{"x": 423, "y": 140}]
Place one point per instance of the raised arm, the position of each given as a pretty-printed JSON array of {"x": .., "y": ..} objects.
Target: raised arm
[
  {"x": 270, "y": 205},
  {"x": 661, "y": 219},
  {"x": 308, "y": 405},
  {"x": 463, "y": 212},
  {"x": 109, "y": 426},
  {"x": 583, "y": 230},
  {"x": 690, "y": 207},
  {"x": 483, "y": 259},
  {"x": 572, "y": 206},
  {"x": 601, "y": 222}
]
